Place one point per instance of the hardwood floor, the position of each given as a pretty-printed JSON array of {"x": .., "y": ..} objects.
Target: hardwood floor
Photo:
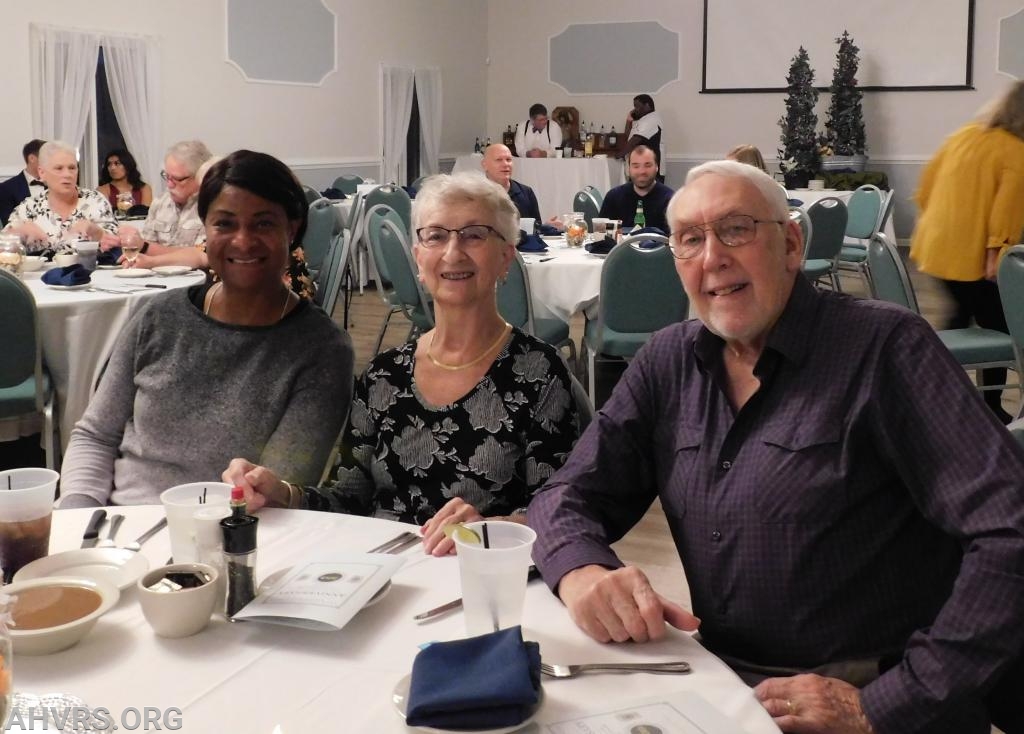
[{"x": 649, "y": 544}]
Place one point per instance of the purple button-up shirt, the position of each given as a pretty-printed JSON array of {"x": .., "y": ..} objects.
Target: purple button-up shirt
[{"x": 863, "y": 503}]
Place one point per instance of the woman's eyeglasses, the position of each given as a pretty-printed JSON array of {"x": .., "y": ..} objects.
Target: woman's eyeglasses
[{"x": 471, "y": 236}]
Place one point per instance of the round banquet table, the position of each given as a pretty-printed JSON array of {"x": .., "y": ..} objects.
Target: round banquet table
[
  {"x": 563, "y": 280},
  {"x": 253, "y": 677},
  {"x": 809, "y": 196},
  {"x": 78, "y": 330}
]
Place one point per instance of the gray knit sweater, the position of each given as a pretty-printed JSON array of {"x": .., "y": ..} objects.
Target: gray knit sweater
[{"x": 183, "y": 394}]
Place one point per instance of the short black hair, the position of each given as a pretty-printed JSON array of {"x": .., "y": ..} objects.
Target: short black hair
[
  {"x": 260, "y": 174},
  {"x": 32, "y": 148},
  {"x": 645, "y": 99},
  {"x": 641, "y": 146},
  {"x": 538, "y": 109}
]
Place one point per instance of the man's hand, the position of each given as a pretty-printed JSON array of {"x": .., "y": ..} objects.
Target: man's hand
[
  {"x": 454, "y": 511},
  {"x": 808, "y": 704},
  {"x": 620, "y": 605},
  {"x": 260, "y": 485}
]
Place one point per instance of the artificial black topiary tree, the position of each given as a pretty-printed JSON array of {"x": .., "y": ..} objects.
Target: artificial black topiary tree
[
  {"x": 798, "y": 157},
  {"x": 844, "y": 123}
]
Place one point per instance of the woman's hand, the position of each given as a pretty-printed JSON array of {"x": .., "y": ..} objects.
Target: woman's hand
[
  {"x": 85, "y": 228},
  {"x": 992, "y": 264},
  {"x": 30, "y": 231},
  {"x": 260, "y": 485},
  {"x": 454, "y": 511}
]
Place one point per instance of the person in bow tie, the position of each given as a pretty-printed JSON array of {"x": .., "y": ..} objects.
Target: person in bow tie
[
  {"x": 17, "y": 188},
  {"x": 536, "y": 138}
]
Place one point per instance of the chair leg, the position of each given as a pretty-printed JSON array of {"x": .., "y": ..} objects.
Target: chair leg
[
  {"x": 591, "y": 377},
  {"x": 383, "y": 330},
  {"x": 49, "y": 442}
]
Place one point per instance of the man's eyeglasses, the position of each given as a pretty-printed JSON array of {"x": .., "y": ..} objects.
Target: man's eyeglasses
[
  {"x": 735, "y": 230},
  {"x": 471, "y": 236},
  {"x": 175, "y": 179}
]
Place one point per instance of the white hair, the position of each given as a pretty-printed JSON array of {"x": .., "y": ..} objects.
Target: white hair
[
  {"x": 53, "y": 147},
  {"x": 189, "y": 153},
  {"x": 774, "y": 195},
  {"x": 438, "y": 191}
]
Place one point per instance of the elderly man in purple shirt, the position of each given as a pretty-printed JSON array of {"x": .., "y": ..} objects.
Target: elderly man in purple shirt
[{"x": 848, "y": 511}]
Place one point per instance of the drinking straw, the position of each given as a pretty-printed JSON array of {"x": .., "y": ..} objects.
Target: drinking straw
[
  {"x": 494, "y": 611},
  {"x": 487, "y": 540}
]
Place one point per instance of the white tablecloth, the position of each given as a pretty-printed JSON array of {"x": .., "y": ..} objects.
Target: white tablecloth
[
  {"x": 78, "y": 330},
  {"x": 808, "y": 197},
  {"x": 266, "y": 678},
  {"x": 564, "y": 280},
  {"x": 556, "y": 180}
]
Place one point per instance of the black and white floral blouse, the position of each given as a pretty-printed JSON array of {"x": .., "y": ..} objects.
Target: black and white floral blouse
[
  {"x": 92, "y": 206},
  {"x": 403, "y": 459}
]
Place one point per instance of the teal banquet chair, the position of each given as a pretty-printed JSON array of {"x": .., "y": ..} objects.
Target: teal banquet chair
[
  {"x": 828, "y": 228},
  {"x": 515, "y": 304},
  {"x": 865, "y": 213},
  {"x": 25, "y": 386},
  {"x": 586, "y": 204},
  {"x": 347, "y": 184},
  {"x": 374, "y": 219},
  {"x": 391, "y": 247},
  {"x": 322, "y": 223},
  {"x": 1011, "y": 293}
]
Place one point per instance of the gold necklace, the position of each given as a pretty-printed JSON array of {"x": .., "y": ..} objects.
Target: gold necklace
[
  {"x": 456, "y": 367},
  {"x": 217, "y": 288}
]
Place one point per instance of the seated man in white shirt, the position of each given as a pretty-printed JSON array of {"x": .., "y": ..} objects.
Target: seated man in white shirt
[{"x": 536, "y": 137}]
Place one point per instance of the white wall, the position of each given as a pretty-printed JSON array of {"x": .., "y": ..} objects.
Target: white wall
[
  {"x": 903, "y": 128},
  {"x": 318, "y": 130}
]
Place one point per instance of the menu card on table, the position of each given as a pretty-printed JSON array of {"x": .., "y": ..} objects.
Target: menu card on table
[
  {"x": 321, "y": 594},
  {"x": 676, "y": 713}
]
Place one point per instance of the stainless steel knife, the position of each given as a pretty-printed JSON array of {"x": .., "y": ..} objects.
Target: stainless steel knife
[
  {"x": 457, "y": 603},
  {"x": 92, "y": 530}
]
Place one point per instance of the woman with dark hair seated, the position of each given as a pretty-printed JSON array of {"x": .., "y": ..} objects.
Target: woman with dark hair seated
[
  {"x": 467, "y": 421},
  {"x": 120, "y": 175},
  {"x": 240, "y": 367}
]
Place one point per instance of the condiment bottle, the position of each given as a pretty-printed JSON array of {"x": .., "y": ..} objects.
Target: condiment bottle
[{"x": 239, "y": 532}]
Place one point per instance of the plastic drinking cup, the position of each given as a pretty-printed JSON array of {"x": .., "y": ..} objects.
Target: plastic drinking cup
[
  {"x": 180, "y": 503},
  {"x": 494, "y": 578},
  {"x": 26, "y": 508}
]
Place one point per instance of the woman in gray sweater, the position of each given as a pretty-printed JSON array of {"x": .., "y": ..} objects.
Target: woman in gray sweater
[{"x": 242, "y": 367}]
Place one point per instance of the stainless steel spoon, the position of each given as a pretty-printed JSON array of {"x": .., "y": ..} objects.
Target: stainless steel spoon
[
  {"x": 115, "y": 524},
  {"x": 136, "y": 544}
]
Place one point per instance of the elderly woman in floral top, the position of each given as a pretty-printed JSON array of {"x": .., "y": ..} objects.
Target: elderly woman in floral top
[
  {"x": 468, "y": 420},
  {"x": 63, "y": 212}
]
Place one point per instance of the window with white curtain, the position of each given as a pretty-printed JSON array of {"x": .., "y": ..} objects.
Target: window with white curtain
[
  {"x": 63, "y": 63},
  {"x": 397, "y": 84}
]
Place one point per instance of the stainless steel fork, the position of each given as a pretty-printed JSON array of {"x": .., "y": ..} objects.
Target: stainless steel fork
[
  {"x": 571, "y": 671},
  {"x": 397, "y": 544}
]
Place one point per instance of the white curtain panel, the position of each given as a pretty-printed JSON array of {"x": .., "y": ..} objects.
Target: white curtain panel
[
  {"x": 429, "y": 98},
  {"x": 64, "y": 79},
  {"x": 396, "y": 86},
  {"x": 134, "y": 82}
]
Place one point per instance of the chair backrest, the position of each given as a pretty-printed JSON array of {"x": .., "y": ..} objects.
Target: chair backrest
[
  {"x": 396, "y": 198},
  {"x": 864, "y": 210},
  {"x": 514, "y": 303},
  {"x": 1011, "y": 293},
  {"x": 319, "y": 231},
  {"x": 347, "y": 184},
  {"x": 374, "y": 216},
  {"x": 887, "y": 207},
  {"x": 640, "y": 289},
  {"x": 22, "y": 348},
  {"x": 828, "y": 227},
  {"x": 889, "y": 279},
  {"x": 330, "y": 275},
  {"x": 311, "y": 193},
  {"x": 585, "y": 203},
  {"x": 393, "y": 247},
  {"x": 806, "y": 228},
  {"x": 596, "y": 193}
]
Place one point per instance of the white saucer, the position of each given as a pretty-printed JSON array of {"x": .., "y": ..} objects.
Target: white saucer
[
  {"x": 172, "y": 269},
  {"x": 108, "y": 267},
  {"x": 116, "y": 565},
  {"x": 80, "y": 286},
  {"x": 133, "y": 273},
  {"x": 400, "y": 698},
  {"x": 267, "y": 584}
]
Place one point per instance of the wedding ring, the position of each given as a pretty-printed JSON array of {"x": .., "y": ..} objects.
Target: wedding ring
[{"x": 790, "y": 708}]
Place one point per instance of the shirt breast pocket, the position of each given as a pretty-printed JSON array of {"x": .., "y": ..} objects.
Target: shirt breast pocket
[
  {"x": 802, "y": 479},
  {"x": 680, "y": 474}
]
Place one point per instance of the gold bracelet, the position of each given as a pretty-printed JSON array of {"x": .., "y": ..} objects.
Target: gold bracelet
[{"x": 294, "y": 496}]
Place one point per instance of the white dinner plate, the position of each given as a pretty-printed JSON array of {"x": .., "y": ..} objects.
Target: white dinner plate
[
  {"x": 133, "y": 273},
  {"x": 80, "y": 286},
  {"x": 400, "y": 697},
  {"x": 172, "y": 269},
  {"x": 267, "y": 584},
  {"x": 108, "y": 267},
  {"x": 119, "y": 566}
]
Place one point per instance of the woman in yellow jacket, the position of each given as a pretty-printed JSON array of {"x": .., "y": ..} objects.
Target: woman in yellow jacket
[{"x": 971, "y": 200}]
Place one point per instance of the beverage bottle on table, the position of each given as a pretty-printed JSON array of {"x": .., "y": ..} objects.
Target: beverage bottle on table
[
  {"x": 639, "y": 220},
  {"x": 239, "y": 554},
  {"x": 476, "y": 146}
]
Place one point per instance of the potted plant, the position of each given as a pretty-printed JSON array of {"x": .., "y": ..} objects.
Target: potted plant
[
  {"x": 798, "y": 157},
  {"x": 843, "y": 143}
]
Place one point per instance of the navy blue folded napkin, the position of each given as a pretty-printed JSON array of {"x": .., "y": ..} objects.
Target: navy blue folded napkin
[
  {"x": 333, "y": 194},
  {"x": 109, "y": 257},
  {"x": 531, "y": 243},
  {"x": 484, "y": 682},
  {"x": 795, "y": 202},
  {"x": 647, "y": 244},
  {"x": 71, "y": 275},
  {"x": 548, "y": 230},
  {"x": 601, "y": 247},
  {"x": 410, "y": 190}
]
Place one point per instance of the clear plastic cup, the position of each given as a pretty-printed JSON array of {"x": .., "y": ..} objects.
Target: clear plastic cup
[
  {"x": 26, "y": 507},
  {"x": 180, "y": 503}
]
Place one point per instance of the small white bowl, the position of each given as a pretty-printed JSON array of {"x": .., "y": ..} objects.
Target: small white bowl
[
  {"x": 31, "y": 263},
  {"x": 45, "y": 640},
  {"x": 179, "y": 613},
  {"x": 64, "y": 259}
]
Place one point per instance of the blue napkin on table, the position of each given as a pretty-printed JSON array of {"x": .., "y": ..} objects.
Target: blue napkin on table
[
  {"x": 484, "y": 682},
  {"x": 71, "y": 275},
  {"x": 531, "y": 243},
  {"x": 110, "y": 257},
  {"x": 549, "y": 230},
  {"x": 333, "y": 194},
  {"x": 647, "y": 244},
  {"x": 795, "y": 202},
  {"x": 600, "y": 247}
]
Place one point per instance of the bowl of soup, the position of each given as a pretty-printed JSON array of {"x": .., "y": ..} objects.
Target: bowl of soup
[{"x": 51, "y": 614}]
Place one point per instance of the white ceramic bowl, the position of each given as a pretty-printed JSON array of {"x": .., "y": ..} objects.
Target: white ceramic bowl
[
  {"x": 31, "y": 263},
  {"x": 65, "y": 259},
  {"x": 52, "y": 639},
  {"x": 179, "y": 613}
]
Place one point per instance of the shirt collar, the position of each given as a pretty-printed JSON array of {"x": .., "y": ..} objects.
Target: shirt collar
[{"x": 790, "y": 337}]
